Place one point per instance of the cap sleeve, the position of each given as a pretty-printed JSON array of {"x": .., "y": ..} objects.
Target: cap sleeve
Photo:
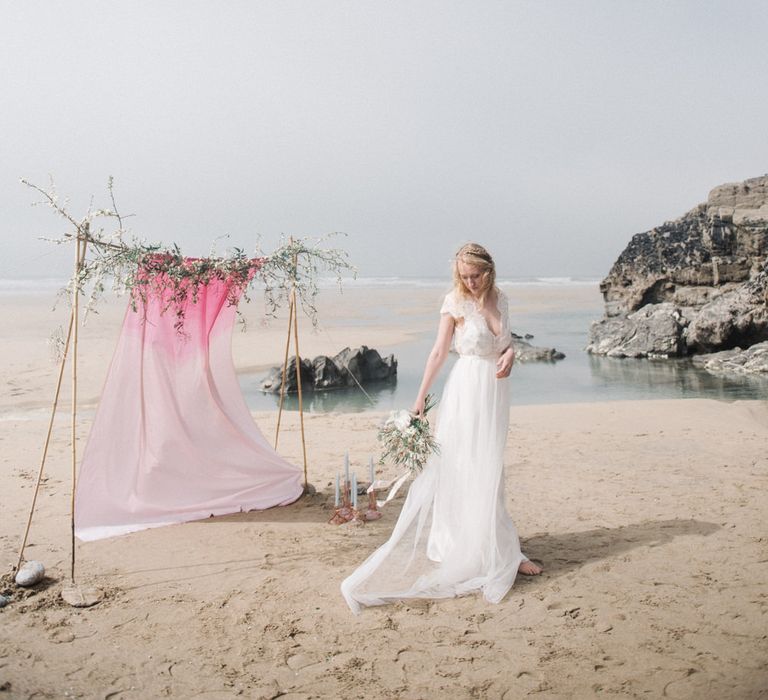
[
  {"x": 450, "y": 306},
  {"x": 503, "y": 305}
]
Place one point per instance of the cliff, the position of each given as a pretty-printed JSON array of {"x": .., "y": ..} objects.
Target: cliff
[
  {"x": 693, "y": 285},
  {"x": 713, "y": 248}
]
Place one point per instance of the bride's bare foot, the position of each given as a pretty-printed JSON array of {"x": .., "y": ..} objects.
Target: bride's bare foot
[{"x": 529, "y": 568}]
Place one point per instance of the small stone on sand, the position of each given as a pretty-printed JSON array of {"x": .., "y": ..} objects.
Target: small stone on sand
[
  {"x": 81, "y": 596},
  {"x": 30, "y": 573}
]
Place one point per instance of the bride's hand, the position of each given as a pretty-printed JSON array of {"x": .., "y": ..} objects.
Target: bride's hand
[
  {"x": 505, "y": 362},
  {"x": 418, "y": 408}
]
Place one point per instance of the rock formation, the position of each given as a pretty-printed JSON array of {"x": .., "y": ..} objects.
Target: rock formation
[
  {"x": 713, "y": 248},
  {"x": 736, "y": 318},
  {"x": 350, "y": 367},
  {"x": 655, "y": 330},
  {"x": 752, "y": 360},
  {"x": 526, "y": 352},
  {"x": 697, "y": 284}
]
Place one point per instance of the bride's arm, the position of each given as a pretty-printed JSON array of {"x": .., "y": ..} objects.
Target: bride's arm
[
  {"x": 435, "y": 360},
  {"x": 505, "y": 362}
]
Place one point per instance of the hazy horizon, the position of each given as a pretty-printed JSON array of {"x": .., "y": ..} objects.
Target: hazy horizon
[
  {"x": 551, "y": 132},
  {"x": 47, "y": 283}
]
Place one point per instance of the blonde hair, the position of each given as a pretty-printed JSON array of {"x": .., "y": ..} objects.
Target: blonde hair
[{"x": 477, "y": 256}]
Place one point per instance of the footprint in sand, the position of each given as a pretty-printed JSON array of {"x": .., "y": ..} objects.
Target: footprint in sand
[
  {"x": 62, "y": 636},
  {"x": 443, "y": 633}
]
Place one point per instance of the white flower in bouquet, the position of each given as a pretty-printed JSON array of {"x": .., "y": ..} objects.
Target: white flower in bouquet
[
  {"x": 406, "y": 439},
  {"x": 400, "y": 419}
]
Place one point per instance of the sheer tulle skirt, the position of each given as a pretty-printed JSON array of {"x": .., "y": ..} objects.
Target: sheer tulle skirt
[{"x": 454, "y": 534}]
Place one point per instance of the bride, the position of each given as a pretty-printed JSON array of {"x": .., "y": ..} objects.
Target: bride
[{"x": 454, "y": 534}]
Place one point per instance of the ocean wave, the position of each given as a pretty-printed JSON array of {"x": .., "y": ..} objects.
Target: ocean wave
[
  {"x": 52, "y": 285},
  {"x": 385, "y": 282},
  {"x": 445, "y": 282},
  {"x": 38, "y": 414},
  {"x": 44, "y": 285},
  {"x": 550, "y": 281}
]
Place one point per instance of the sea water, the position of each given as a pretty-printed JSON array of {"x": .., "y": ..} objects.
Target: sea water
[
  {"x": 580, "y": 377},
  {"x": 556, "y": 311}
]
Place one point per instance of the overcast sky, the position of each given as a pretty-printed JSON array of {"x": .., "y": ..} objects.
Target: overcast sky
[{"x": 549, "y": 131}]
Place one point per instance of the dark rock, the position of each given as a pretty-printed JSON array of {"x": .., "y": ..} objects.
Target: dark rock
[
  {"x": 378, "y": 368},
  {"x": 736, "y": 318},
  {"x": 350, "y": 367},
  {"x": 713, "y": 248},
  {"x": 525, "y": 352},
  {"x": 691, "y": 285},
  {"x": 366, "y": 365},
  {"x": 753, "y": 360},
  {"x": 656, "y": 330},
  {"x": 327, "y": 374},
  {"x": 273, "y": 381}
]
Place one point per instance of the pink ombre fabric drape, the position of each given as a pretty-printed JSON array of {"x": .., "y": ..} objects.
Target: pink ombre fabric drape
[{"x": 173, "y": 439}]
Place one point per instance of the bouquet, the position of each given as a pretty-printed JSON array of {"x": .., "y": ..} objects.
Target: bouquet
[{"x": 406, "y": 440}]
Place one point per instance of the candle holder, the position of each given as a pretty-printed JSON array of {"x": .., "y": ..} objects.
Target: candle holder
[
  {"x": 358, "y": 518},
  {"x": 346, "y": 509},
  {"x": 373, "y": 512},
  {"x": 340, "y": 516},
  {"x": 344, "y": 513}
]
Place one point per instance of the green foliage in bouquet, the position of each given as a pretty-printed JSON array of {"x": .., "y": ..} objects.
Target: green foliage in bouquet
[{"x": 406, "y": 439}]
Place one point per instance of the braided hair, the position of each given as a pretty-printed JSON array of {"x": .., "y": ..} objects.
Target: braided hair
[{"x": 477, "y": 256}]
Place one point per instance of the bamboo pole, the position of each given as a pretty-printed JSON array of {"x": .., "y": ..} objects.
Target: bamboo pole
[
  {"x": 293, "y": 320},
  {"x": 291, "y": 311},
  {"x": 44, "y": 456},
  {"x": 298, "y": 377},
  {"x": 54, "y": 406},
  {"x": 75, "y": 322}
]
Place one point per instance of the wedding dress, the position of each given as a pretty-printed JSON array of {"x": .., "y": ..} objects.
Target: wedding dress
[{"x": 454, "y": 535}]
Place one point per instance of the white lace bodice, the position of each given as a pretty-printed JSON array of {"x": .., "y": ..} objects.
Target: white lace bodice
[{"x": 472, "y": 335}]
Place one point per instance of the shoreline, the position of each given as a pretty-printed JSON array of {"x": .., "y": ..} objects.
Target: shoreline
[{"x": 398, "y": 320}]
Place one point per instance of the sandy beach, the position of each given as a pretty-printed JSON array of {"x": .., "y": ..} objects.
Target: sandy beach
[{"x": 649, "y": 518}]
